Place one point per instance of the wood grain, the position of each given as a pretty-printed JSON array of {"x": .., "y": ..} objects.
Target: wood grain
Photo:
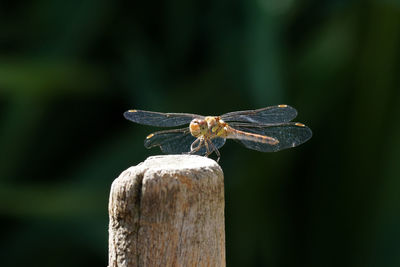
[{"x": 168, "y": 211}]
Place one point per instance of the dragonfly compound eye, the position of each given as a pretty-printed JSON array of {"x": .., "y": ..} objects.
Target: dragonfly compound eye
[{"x": 198, "y": 127}]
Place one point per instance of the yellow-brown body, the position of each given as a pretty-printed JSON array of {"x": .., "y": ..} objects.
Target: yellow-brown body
[{"x": 212, "y": 127}]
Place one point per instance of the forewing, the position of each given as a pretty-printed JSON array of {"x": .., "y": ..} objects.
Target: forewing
[
  {"x": 175, "y": 141},
  {"x": 289, "y": 135},
  {"x": 159, "y": 119},
  {"x": 268, "y": 115}
]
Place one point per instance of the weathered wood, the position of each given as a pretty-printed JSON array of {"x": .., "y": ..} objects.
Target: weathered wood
[{"x": 168, "y": 211}]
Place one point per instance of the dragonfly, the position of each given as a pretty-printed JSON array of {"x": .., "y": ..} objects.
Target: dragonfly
[{"x": 268, "y": 129}]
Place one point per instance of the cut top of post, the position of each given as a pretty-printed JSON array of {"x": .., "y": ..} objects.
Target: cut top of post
[{"x": 179, "y": 162}]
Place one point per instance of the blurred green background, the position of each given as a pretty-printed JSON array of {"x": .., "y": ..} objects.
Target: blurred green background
[{"x": 69, "y": 69}]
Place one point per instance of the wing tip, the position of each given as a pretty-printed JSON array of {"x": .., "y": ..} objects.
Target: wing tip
[
  {"x": 148, "y": 141},
  {"x": 128, "y": 113},
  {"x": 307, "y": 132},
  {"x": 286, "y": 106},
  {"x": 292, "y": 109}
]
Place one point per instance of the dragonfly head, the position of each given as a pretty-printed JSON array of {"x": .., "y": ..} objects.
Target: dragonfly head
[{"x": 198, "y": 127}]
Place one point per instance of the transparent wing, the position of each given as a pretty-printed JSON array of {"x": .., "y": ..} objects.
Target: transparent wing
[
  {"x": 160, "y": 119},
  {"x": 176, "y": 141},
  {"x": 217, "y": 142},
  {"x": 289, "y": 135},
  {"x": 268, "y": 115}
]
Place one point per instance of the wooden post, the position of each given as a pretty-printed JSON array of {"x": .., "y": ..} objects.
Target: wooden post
[{"x": 168, "y": 211}]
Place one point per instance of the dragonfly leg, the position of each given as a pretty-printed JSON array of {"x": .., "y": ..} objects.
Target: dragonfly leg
[
  {"x": 194, "y": 148},
  {"x": 196, "y": 142},
  {"x": 214, "y": 149},
  {"x": 206, "y": 143}
]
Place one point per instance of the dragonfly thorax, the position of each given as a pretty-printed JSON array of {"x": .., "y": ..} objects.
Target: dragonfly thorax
[{"x": 210, "y": 127}]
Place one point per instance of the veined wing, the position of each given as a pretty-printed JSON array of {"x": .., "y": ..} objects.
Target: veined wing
[
  {"x": 217, "y": 142},
  {"x": 288, "y": 134},
  {"x": 159, "y": 119},
  {"x": 176, "y": 141},
  {"x": 268, "y": 115}
]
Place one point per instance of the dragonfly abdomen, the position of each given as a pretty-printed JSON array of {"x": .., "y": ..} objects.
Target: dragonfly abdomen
[{"x": 237, "y": 134}]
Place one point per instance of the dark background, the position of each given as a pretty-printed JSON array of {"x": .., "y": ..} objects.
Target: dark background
[{"x": 69, "y": 69}]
